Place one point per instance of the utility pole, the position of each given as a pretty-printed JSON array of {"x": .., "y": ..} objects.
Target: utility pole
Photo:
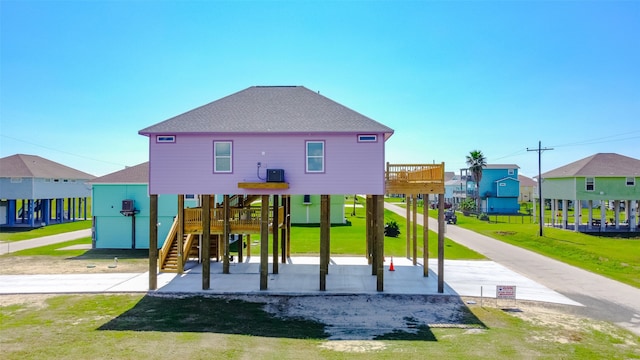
[{"x": 540, "y": 149}]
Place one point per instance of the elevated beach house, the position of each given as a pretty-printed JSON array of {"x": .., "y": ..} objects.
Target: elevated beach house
[
  {"x": 595, "y": 181},
  {"x": 36, "y": 192}
]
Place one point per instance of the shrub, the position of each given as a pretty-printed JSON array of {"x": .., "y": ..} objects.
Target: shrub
[{"x": 391, "y": 229}]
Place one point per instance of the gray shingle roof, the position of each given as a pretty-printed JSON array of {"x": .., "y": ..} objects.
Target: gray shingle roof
[
  {"x": 138, "y": 174},
  {"x": 600, "y": 165},
  {"x": 270, "y": 109},
  {"x": 32, "y": 166}
]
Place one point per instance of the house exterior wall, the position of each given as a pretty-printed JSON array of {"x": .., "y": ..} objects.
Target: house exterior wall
[
  {"x": 16, "y": 188},
  {"x": 310, "y": 213},
  {"x": 505, "y": 200},
  {"x": 495, "y": 205},
  {"x": 561, "y": 188},
  {"x": 608, "y": 188},
  {"x": 507, "y": 188},
  {"x": 527, "y": 193},
  {"x": 112, "y": 230},
  {"x": 39, "y": 188},
  {"x": 186, "y": 166}
]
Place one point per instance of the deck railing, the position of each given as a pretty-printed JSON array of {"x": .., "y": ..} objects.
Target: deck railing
[
  {"x": 240, "y": 220},
  {"x": 416, "y": 173}
]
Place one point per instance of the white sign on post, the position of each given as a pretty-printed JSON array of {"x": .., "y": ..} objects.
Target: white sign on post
[{"x": 506, "y": 292}]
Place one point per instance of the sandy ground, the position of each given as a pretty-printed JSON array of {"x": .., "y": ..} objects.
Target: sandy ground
[
  {"x": 32, "y": 265},
  {"x": 353, "y": 321}
]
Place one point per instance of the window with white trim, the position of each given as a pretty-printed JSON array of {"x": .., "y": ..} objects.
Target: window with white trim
[
  {"x": 631, "y": 181},
  {"x": 590, "y": 184},
  {"x": 315, "y": 156},
  {"x": 165, "y": 138},
  {"x": 222, "y": 156},
  {"x": 511, "y": 171}
]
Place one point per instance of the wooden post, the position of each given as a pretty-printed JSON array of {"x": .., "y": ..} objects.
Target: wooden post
[
  {"x": 325, "y": 229},
  {"x": 274, "y": 230},
  {"x": 206, "y": 242},
  {"x": 288, "y": 226},
  {"x": 371, "y": 234},
  {"x": 225, "y": 234},
  {"x": 240, "y": 236},
  {"x": 415, "y": 229},
  {"x": 153, "y": 242},
  {"x": 283, "y": 231},
  {"x": 408, "y": 217},
  {"x": 425, "y": 235},
  {"x": 379, "y": 230},
  {"x": 248, "y": 245},
  {"x": 180, "y": 234},
  {"x": 264, "y": 242},
  {"x": 441, "y": 243}
]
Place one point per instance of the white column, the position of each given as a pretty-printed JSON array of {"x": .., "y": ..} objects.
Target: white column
[
  {"x": 590, "y": 215},
  {"x": 616, "y": 204},
  {"x": 577, "y": 214},
  {"x": 554, "y": 206},
  {"x": 565, "y": 213},
  {"x": 633, "y": 211},
  {"x": 535, "y": 211},
  {"x": 603, "y": 215}
]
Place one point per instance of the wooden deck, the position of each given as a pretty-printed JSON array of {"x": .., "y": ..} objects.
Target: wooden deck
[
  {"x": 414, "y": 178},
  {"x": 241, "y": 221}
]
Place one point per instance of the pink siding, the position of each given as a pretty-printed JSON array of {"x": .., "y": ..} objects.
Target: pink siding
[{"x": 186, "y": 166}]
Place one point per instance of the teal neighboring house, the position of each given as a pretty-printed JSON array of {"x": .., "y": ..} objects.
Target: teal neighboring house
[
  {"x": 597, "y": 180},
  {"x": 305, "y": 209},
  {"x": 120, "y": 207},
  {"x": 500, "y": 189}
]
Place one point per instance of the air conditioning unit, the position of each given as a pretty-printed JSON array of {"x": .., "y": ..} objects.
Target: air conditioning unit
[
  {"x": 275, "y": 175},
  {"x": 127, "y": 205}
]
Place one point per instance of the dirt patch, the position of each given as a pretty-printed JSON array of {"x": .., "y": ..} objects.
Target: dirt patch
[
  {"x": 33, "y": 265},
  {"x": 354, "y": 346},
  {"x": 37, "y": 301},
  {"x": 505, "y": 233},
  {"x": 367, "y": 317}
]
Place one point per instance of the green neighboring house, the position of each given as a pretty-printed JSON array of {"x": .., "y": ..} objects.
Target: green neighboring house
[
  {"x": 305, "y": 209},
  {"x": 597, "y": 180}
]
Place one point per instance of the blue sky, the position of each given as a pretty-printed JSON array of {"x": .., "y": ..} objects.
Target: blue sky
[{"x": 79, "y": 78}]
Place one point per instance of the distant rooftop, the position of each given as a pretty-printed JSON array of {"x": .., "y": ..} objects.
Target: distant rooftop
[
  {"x": 33, "y": 166},
  {"x": 138, "y": 174},
  {"x": 600, "y": 164}
]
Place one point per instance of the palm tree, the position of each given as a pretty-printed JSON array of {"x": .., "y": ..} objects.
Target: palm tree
[{"x": 476, "y": 161}]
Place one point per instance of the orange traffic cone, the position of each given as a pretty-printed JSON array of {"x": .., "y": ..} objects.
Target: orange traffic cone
[{"x": 391, "y": 268}]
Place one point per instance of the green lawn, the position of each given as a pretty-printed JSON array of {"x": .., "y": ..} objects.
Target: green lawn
[
  {"x": 141, "y": 327},
  {"x": 351, "y": 240},
  {"x": 16, "y": 234}
]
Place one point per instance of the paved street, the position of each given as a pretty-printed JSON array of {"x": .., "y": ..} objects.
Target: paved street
[{"x": 13, "y": 246}]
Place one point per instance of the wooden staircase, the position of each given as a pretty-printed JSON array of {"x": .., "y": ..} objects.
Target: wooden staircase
[{"x": 169, "y": 251}]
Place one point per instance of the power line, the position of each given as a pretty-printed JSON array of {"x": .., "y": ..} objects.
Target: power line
[
  {"x": 62, "y": 151},
  {"x": 600, "y": 139},
  {"x": 540, "y": 149}
]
